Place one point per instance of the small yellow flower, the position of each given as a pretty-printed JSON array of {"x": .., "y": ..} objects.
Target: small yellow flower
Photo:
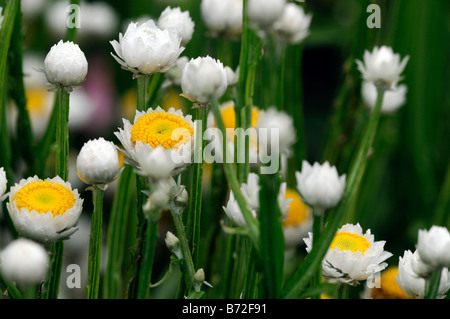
[{"x": 389, "y": 289}]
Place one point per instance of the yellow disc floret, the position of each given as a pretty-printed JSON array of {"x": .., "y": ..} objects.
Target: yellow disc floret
[
  {"x": 165, "y": 129},
  {"x": 298, "y": 211},
  {"x": 389, "y": 289},
  {"x": 229, "y": 116},
  {"x": 45, "y": 197},
  {"x": 350, "y": 241}
]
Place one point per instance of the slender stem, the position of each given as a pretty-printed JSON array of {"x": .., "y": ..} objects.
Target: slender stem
[
  {"x": 343, "y": 291},
  {"x": 230, "y": 174},
  {"x": 187, "y": 262},
  {"x": 62, "y": 135},
  {"x": 142, "y": 92},
  {"x": 432, "y": 284},
  {"x": 317, "y": 231},
  {"x": 95, "y": 244},
  {"x": 56, "y": 258}
]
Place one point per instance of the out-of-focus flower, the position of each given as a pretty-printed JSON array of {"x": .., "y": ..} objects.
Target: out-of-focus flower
[
  {"x": 382, "y": 67},
  {"x": 392, "y": 100},
  {"x": 1, "y": 17},
  {"x": 299, "y": 220},
  {"x": 65, "y": 66},
  {"x": 265, "y": 12},
  {"x": 24, "y": 262},
  {"x": 222, "y": 16},
  {"x": 180, "y": 21},
  {"x": 145, "y": 49},
  {"x": 272, "y": 119},
  {"x": 159, "y": 143},
  {"x": 44, "y": 210},
  {"x": 232, "y": 76},
  {"x": 321, "y": 186},
  {"x": 98, "y": 163},
  {"x": 411, "y": 283},
  {"x": 388, "y": 287},
  {"x": 3, "y": 184},
  {"x": 433, "y": 246},
  {"x": 32, "y": 8},
  {"x": 166, "y": 191},
  {"x": 203, "y": 80},
  {"x": 352, "y": 256},
  {"x": 175, "y": 74},
  {"x": 293, "y": 24}
]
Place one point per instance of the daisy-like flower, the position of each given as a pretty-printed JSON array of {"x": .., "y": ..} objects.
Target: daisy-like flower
[
  {"x": 44, "y": 210},
  {"x": 388, "y": 287},
  {"x": 180, "y": 21},
  {"x": 65, "y": 66},
  {"x": 321, "y": 186},
  {"x": 272, "y": 119},
  {"x": 158, "y": 143},
  {"x": 145, "y": 49},
  {"x": 203, "y": 80},
  {"x": 299, "y": 220},
  {"x": 24, "y": 262},
  {"x": 412, "y": 283},
  {"x": 352, "y": 256},
  {"x": 382, "y": 67},
  {"x": 433, "y": 246},
  {"x": 392, "y": 100},
  {"x": 265, "y": 12},
  {"x": 222, "y": 16},
  {"x": 293, "y": 24},
  {"x": 3, "y": 184},
  {"x": 98, "y": 163}
]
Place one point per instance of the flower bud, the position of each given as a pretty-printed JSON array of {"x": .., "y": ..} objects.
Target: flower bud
[
  {"x": 199, "y": 279},
  {"x": 293, "y": 24},
  {"x": 178, "y": 20},
  {"x": 65, "y": 65},
  {"x": 173, "y": 243},
  {"x": 265, "y": 12},
  {"x": 433, "y": 246}
]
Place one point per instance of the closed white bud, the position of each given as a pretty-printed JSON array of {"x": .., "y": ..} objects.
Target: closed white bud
[
  {"x": 173, "y": 243},
  {"x": 199, "y": 279},
  {"x": 24, "y": 262},
  {"x": 265, "y": 12},
  {"x": 180, "y": 21},
  {"x": 98, "y": 162},
  {"x": 433, "y": 246},
  {"x": 65, "y": 66},
  {"x": 222, "y": 16},
  {"x": 293, "y": 24},
  {"x": 204, "y": 79}
]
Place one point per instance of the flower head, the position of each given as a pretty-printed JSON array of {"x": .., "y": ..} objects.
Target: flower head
[
  {"x": 65, "y": 66},
  {"x": 180, "y": 21},
  {"x": 146, "y": 49},
  {"x": 433, "y": 246},
  {"x": 3, "y": 184},
  {"x": 392, "y": 100},
  {"x": 204, "y": 79},
  {"x": 265, "y": 12},
  {"x": 24, "y": 262},
  {"x": 388, "y": 288},
  {"x": 352, "y": 256},
  {"x": 98, "y": 163},
  {"x": 293, "y": 24},
  {"x": 222, "y": 16},
  {"x": 411, "y": 282},
  {"x": 382, "y": 67},
  {"x": 44, "y": 210},
  {"x": 159, "y": 143},
  {"x": 320, "y": 185}
]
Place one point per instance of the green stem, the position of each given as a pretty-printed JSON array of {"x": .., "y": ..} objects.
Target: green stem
[
  {"x": 143, "y": 82},
  {"x": 95, "y": 244},
  {"x": 56, "y": 259},
  {"x": 187, "y": 262},
  {"x": 442, "y": 210},
  {"x": 62, "y": 135},
  {"x": 432, "y": 284},
  {"x": 343, "y": 291},
  {"x": 301, "y": 277},
  {"x": 252, "y": 223}
]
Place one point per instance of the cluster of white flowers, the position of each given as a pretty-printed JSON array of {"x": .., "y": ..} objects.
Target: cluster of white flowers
[{"x": 222, "y": 16}]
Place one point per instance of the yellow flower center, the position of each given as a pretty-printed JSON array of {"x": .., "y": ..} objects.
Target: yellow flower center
[
  {"x": 298, "y": 211},
  {"x": 36, "y": 101},
  {"x": 229, "y": 116},
  {"x": 389, "y": 289},
  {"x": 350, "y": 241},
  {"x": 45, "y": 197},
  {"x": 165, "y": 129}
]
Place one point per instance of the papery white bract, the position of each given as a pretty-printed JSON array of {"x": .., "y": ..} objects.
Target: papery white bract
[
  {"x": 180, "y": 21},
  {"x": 392, "y": 99}
]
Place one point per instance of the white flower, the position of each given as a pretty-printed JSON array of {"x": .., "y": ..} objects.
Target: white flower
[
  {"x": 352, "y": 256},
  {"x": 98, "y": 162},
  {"x": 272, "y": 120},
  {"x": 411, "y": 283},
  {"x": 293, "y": 24},
  {"x": 180, "y": 21},
  {"x": 164, "y": 191},
  {"x": 433, "y": 246},
  {"x": 159, "y": 143},
  {"x": 175, "y": 74},
  {"x": 173, "y": 243},
  {"x": 3, "y": 184},
  {"x": 392, "y": 99},
  {"x": 232, "y": 76},
  {"x": 24, "y": 262},
  {"x": 265, "y": 12},
  {"x": 146, "y": 49},
  {"x": 44, "y": 210},
  {"x": 320, "y": 185},
  {"x": 382, "y": 67},
  {"x": 65, "y": 65},
  {"x": 204, "y": 79},
  {"x": 222, "y": 16}
]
